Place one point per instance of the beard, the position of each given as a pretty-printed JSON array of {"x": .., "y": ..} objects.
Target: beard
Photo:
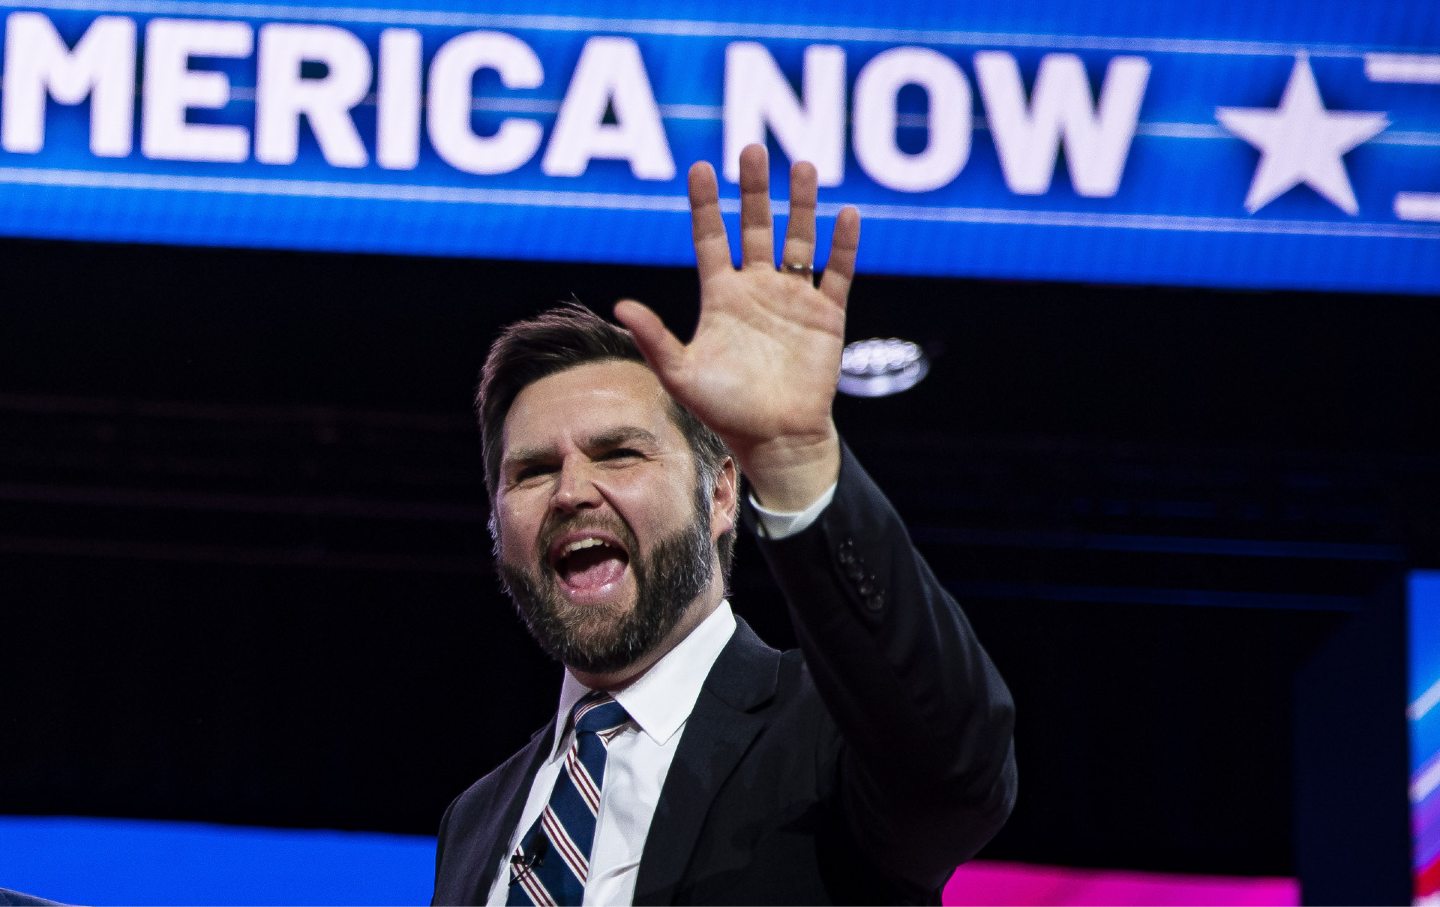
[{"x": 602, "y": 639}]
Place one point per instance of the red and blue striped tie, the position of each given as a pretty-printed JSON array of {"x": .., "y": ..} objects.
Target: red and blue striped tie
[{"x": 552, "y": 863}]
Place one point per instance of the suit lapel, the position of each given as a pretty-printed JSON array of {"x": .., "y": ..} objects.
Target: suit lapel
[
  {"x": 517, "y": 776},
  {"x": 725, "y": 720}
]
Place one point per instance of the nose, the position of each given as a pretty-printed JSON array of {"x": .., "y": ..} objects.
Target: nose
[{"x": 575, "y": 488}]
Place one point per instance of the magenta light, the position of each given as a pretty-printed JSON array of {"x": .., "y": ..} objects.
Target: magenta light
[{"x": 1002, "y": 884}]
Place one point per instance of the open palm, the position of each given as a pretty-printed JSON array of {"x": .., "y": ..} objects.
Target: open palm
[{"x": 762, "y": 366}]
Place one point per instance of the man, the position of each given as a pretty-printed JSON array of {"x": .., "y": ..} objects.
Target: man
[{"x": 689, "y": 762}]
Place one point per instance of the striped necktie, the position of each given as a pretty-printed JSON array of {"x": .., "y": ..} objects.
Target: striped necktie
[{"x": 552, "y": 863}]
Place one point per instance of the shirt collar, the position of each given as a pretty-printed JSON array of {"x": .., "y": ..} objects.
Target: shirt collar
[{"x": 662, "y": 698}]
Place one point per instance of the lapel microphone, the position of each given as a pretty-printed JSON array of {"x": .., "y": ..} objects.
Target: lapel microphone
[{"x": 522, "y": 864}]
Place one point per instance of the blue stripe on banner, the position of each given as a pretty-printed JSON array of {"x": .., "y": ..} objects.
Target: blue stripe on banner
[{"x": 117, "y": 861}]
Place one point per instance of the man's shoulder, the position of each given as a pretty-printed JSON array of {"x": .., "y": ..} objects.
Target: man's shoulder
[
  {"x": 752, "y": 675},
  {"x": 495, "y": 781},
  {"x": 18, "y": 898},
  {"x": 749, "y": 670}
]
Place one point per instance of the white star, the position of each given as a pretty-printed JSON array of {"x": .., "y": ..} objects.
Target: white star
[{"x": 1301, "y": 142}]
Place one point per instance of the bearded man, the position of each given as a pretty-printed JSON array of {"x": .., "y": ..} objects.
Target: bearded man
[{"x": 688, "y": 762}]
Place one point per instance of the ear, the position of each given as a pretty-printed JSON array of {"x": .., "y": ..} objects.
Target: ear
[{"x": 725, "y": 501}]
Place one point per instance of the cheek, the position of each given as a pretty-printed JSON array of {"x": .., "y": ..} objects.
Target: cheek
[
  {"x": 515, "y": 533},
  {"x": 657, "y": 511}
]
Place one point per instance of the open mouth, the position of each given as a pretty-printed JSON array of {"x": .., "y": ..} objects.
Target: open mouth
[{"x": 588, "y": 561}]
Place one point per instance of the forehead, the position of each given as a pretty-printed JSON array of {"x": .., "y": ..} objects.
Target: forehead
[{"x": 587, "y": 400}]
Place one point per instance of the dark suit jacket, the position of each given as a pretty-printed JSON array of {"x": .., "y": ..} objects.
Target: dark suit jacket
[{"x": 863, "y": 770}]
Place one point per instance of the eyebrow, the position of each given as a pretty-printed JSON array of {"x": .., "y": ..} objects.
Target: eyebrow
[
  {"x": 605, "y": 440},
  {"x": 615, "y": 437}
]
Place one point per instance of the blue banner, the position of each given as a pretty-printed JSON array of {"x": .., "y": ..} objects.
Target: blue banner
[
  {"x": 77, "y": 860},
  {"x": 1287, "y": 144}
]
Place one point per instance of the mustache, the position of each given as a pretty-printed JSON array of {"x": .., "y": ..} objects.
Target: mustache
[{"x": 608, "y": 523}]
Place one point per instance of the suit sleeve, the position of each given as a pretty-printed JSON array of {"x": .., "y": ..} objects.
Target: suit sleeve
[{"x": 926, "y": 768}]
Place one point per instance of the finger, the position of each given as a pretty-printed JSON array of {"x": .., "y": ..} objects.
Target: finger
[
  {"x": 659, "y": 347},
  {"x": 757, "y": 238},
  {"x": 800, "y": 232},
  {"x": 707, "y": 227},
  {"x": 840, "y": 269}
]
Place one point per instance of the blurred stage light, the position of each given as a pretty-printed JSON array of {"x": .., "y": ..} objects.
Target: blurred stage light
[{"x": 878, "y": 368}]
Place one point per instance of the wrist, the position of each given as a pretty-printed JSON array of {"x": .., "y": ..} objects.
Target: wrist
[{"x": 790, "y": 474}]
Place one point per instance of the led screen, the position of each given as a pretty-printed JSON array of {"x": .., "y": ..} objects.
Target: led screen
[
  {"x": 1284, "y": 144},
  {"x": 1424, "y": 714}
]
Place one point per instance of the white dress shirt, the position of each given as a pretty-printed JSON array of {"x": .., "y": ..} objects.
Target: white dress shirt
[{"x": 638, "y": 758}]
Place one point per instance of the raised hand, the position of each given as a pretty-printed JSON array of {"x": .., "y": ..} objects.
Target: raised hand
[{"x": 762, "y": 366}]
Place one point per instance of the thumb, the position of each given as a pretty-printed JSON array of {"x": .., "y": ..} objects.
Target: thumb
[{"x": 659, "y": 347}]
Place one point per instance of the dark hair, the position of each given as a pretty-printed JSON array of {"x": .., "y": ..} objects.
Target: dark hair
[{"x": 562, "y": 338}]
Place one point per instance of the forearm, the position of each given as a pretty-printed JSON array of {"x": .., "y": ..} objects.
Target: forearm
[{"x": 927, "y": 721}]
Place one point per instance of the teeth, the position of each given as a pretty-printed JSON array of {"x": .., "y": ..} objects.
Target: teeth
[{"x": 580, "y": 545}]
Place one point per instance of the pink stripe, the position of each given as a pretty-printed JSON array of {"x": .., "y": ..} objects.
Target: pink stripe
[
  {"x": 992, "y": 883},
  {"x": 585, "y": 709},
  {"x": 584, "y": 784},
  {"x": 577, "y": 862},
  {"x": 566, "y": 848},
  {"x": 559, "y": 838},
  {"x": 536, "y": 890}
]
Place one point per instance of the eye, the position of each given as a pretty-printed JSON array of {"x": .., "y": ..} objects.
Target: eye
[
  {"x": 533, "y": 471},
  {"x": 620, "y": 454}
]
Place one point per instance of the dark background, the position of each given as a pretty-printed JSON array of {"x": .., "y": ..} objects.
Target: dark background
[{"x": 245, "y": 576}]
